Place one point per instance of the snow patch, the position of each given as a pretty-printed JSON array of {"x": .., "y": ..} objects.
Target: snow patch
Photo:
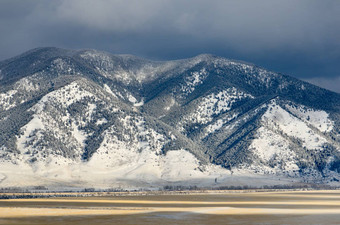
[
  {"x": 30, "y": 130},
  {"x": 270, "y": 146},
  {"x": 139, "y": 104},
  {"x": 195, "y": 79},
  {"x": 218, "y": 124},
  {"x": 101, "y": 121},
  {"x": 66, "y": 95},
  {"x": 215, "y": 104},
  {"x": 60, "y": 65},
  {"x": 6, "y": 101},
  {"x": 292, "y": 126},
  {"x": 170, "y": 105},
  {"x": 108, "y": 89},
  {"x": 317, "y": 118},
  {"x": 25, "y": 84},
  {"x": 131, "y": 98},
  {"x": 79, "y": 135}
]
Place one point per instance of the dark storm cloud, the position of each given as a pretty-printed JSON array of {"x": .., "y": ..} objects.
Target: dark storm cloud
[{"x": 299, "y": 38}]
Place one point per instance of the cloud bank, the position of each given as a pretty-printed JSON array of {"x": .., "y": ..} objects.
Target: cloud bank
[{"x": 299, "y": 38}]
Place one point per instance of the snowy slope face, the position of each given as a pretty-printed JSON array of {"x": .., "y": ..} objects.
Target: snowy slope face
[
  {"x": 292, "y": 144},
  {"x": 121, "y": 147},
  {"x": 86, "y": 117},
  {"x": 293, "y": 127},
  {"x": 319, "y": 119},
  {"x": 275, "y": 154},
  {"x": 195, "y": 79},
  {"x": 209, "y": 107},
  {"x": 20, "y": 92},
  {"x": 55, "y": 129},
  {"x": 215, "y": 104},
  {"x": 6, "y": 100}
]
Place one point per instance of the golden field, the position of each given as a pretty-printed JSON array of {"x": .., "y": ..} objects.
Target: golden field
[{"x": 288, "y": 207}]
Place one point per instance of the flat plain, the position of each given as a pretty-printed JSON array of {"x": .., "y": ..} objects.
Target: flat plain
[{"x": 277, "y": 207}]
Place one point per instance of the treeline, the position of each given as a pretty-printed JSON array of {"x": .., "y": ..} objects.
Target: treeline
[
  {"x": 249, "y": 187},
  {"x": 43, "y": 192}
]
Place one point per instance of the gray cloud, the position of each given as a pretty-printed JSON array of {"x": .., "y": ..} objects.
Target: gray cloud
[
  {"x": 299, "y": 38},
  {"x": 332, "y": 84}
]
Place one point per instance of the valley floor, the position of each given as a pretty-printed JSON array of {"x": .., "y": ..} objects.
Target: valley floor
[{"x": 288, "y": 207}]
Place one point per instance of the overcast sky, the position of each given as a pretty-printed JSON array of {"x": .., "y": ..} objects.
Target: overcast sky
[{"x": 300, "y": 38}]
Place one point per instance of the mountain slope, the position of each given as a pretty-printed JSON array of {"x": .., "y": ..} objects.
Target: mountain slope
[{"x": 89, "y": 118}]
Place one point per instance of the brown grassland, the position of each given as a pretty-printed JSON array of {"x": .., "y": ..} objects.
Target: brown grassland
[{"x": 285, "y": 207}]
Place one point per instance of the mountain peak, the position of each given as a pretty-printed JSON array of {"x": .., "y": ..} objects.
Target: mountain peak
[{"x": 104, "y": 119}]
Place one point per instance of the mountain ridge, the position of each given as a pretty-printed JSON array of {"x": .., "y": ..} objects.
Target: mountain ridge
[{"x": 100, "y": 113}]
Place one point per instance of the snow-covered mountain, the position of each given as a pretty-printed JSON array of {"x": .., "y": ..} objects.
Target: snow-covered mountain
[{"x": 86, "y": 118}]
